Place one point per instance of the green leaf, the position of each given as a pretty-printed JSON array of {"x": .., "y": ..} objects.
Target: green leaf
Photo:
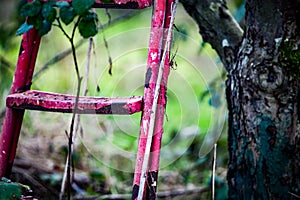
[
  {"x": 88, "y": 25},
  {"x": 45, "y": 28},
  {"x": 48, "y": 12},
  {"x": 67, "y": 14},
  {"x": 35, "y": 21},
  {"x": 61, "y": 4},
  {"x": 87, "y": 28},
  {"x": 90, "y": 16},
  {"x": 9, "y": 190},
  {"x": 82, "y": 6},
  {"x": 31, "y": 9},
  {"x": 24, "y": 28}
]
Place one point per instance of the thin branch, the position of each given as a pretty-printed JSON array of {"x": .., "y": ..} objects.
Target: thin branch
[
  {"x": 180, "y": 192},
  {"x": 79, "y": 79},
  {"x": 58, "y": 57},
  {"x": 6, "y": 64},
  {"x": 26, "y": 174},
  {"x": 161, "y": 195},
  {"x": 108, "y": 15},
  {"x": 217, "y": 26},
  {"x": 107, "y": 50},
  {"x": 74, "y": 52},
  {"x": 294, "y": 195},
  {"x": 213, "y": 173},
  {"x": 87, "y": 67},
  {"x": 62, "y": 29},
  {"x": 77, "y": 120},
  {"x": 71, "y": 132}
]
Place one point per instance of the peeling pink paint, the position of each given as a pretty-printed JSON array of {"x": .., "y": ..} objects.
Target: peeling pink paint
[
  {"x": 13, "y": 118},
  {"x": 18, "y": 100},
  {"x": 22, "y": 82},
  {"x": 53, "y": 102},
  {"x": 129, "y": 4},
  {"x": 160, "y": 22}
]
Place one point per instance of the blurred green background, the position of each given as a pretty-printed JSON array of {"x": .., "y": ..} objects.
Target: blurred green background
[{"x": 106, "y": 145}]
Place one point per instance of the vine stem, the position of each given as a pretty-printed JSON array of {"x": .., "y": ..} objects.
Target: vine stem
[
  {"x": 77, "y": 118},
  {"x": 69, "y": 161},
  {"x": 154, "y": 106},
  {"x": 213, "y": 187}
]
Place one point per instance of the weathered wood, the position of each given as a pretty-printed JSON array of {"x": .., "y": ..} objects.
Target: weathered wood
[
  {"x": 53, "y": 102},
  {"x": 216, "y": 26},
  {"x": 125, "y": 4},
  {"x": 262, "y": 93},
  {"x": 158, "y": 35},
  {"x": 13, "y": 118},
  {"x": 120, "y": 4}
]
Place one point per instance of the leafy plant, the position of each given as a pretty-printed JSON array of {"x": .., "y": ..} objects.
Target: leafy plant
[
  {"x": 9, "y": 190},
  {"x": 42, "y": 15}
]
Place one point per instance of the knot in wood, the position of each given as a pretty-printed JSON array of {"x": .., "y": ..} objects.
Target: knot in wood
[{"x": 269, "y": 78}]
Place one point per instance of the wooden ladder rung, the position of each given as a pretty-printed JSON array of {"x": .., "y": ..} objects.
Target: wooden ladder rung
[
  {"x": 53, "y": 102},
  {"x": 120, "y": 4}
]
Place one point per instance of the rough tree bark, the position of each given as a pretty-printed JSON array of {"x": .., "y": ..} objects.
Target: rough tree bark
[{"x": 262, "y": 93}]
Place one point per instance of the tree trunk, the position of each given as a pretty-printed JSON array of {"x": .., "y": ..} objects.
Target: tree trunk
[
  {"x": 263, "y": 96},
  {"x": 262, "y": 93}
]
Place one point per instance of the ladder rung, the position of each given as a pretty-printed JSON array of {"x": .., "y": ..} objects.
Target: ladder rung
[
  {"x": 53, "y": 102},
  {"x": 121, "y": 4}
]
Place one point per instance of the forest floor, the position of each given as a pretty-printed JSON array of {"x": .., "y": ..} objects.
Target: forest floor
[{"x": 40, "y": 164}]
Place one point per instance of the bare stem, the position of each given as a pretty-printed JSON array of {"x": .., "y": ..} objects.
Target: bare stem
[
  {"x": 62, "y": 28},
  {"x": 69, "y": 161},
  {"x": 214, "y": 173},
  {"x": 161, "y": 195},
  {"x": 107, "y": 50}
]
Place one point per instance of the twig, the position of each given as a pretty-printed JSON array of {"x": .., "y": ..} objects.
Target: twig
[
  {"x": 26, "y": 175},
  {"x": 79, "y": 79},
  {"x": 58, "y": 57},
  {"x": 214, "y": 173},
  {"x": 108, "y": 15},
  {"x": 154, "y": 107},
  {"x": 161, "y": 195},
  {"x": 180, "y": 192},
  {"x": 87, "y": 67},
  {"x": 7, "y": 64},
  {"x": 107, "y": 50},
  {"x": 294, "y": 195},
  {"x": 77, "y": 120}
]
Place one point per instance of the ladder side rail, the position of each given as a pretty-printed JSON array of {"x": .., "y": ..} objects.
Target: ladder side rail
[
  {"x": 154, "y": 57},
  {"x": 161, "y": 109},
  {"x": 13, "y": 118}
]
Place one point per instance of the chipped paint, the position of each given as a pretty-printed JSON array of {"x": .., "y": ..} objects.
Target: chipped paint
[{"x": 53, "y": 102}]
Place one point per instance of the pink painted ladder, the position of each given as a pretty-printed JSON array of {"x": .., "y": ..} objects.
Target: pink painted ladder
[{"x": 21, "y": 97}]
